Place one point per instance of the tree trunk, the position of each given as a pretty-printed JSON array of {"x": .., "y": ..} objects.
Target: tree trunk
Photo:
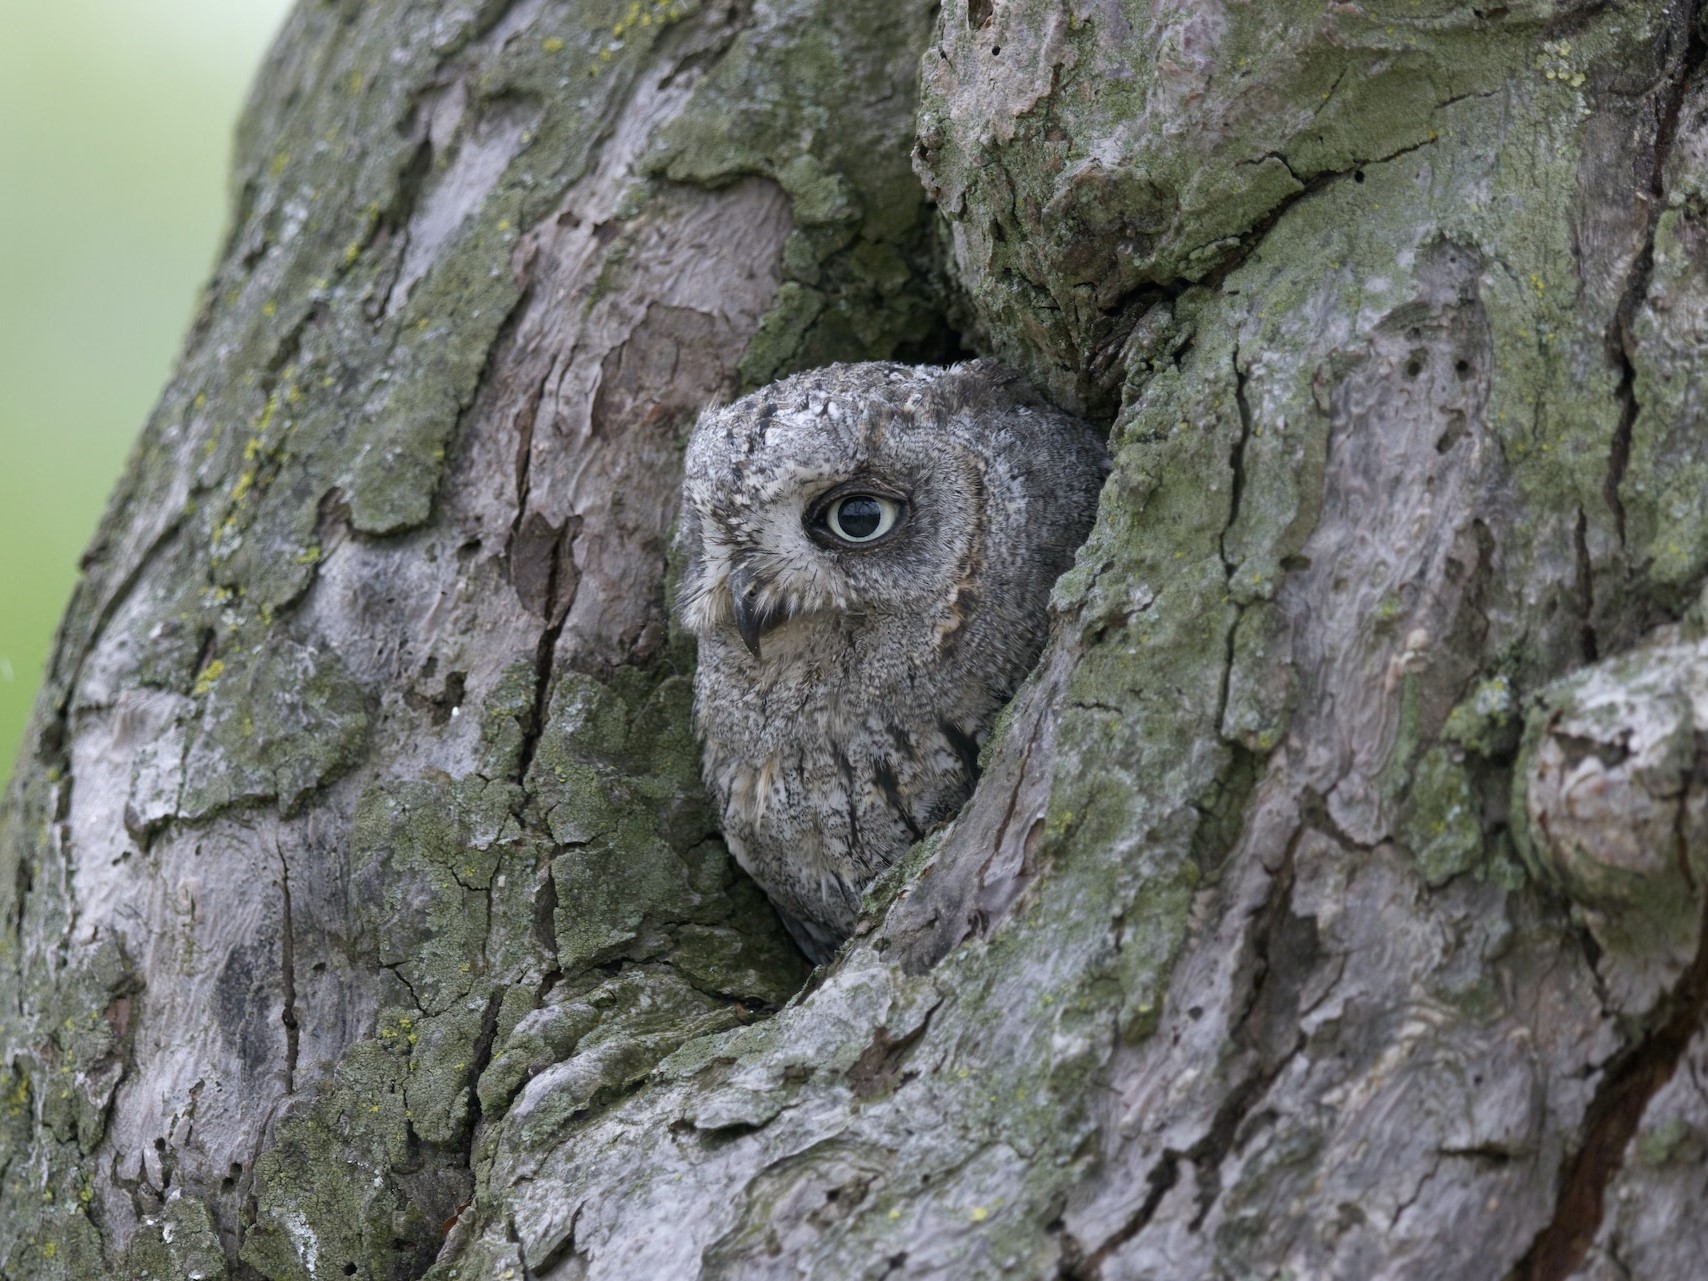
[{"x": 1333, "y": 901}]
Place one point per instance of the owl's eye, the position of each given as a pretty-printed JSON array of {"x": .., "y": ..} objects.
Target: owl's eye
[{"x": 861, "y": 518}]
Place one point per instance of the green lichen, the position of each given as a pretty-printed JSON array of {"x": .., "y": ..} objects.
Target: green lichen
[
  {"x": 1487, "y": 720},
  {"x": 181, "y": 1244},
  {"x": 440, "y": 1086},
  {"x": 1123, "y": 839},
  {"x": 83, "y": 1034},
  {"x": 208, "y": 677},
  {"x": 46, "y": 1232},
  {"x": 1444, "y": 824},
  {"x": 640, "y": 872},
  {"x": 1668, "y": 469},
  {"x": 505, "y": 721},
  {"x": 1504, "y": 868},
  {"x": 776, "y": 345},
  {"x": 1262, "y": 686},
  {"x": 277, "y": 721},
  {"x": 424, "y": 856},
  {"x": 1671, "y": 1142},
  {"x": 371, "y": 1193}
]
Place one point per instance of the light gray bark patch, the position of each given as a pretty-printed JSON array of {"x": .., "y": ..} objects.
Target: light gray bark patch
[
  {"x": 161, "y": 725},
  {"x": 789, "y": 1205},
  {"x": 465, "y": 161},
  {"x": 277, "y": 722},
  {"x": 1380, "y": 593},
  {"x": 1611, "y": 797},
  {"x": 633, "y": 324}
]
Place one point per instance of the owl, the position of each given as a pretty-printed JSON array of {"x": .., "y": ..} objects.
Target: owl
[{"x": 867, "y": 552}]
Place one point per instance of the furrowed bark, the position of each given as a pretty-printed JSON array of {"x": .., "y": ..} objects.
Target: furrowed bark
[{"x": 1332, "y": 903}]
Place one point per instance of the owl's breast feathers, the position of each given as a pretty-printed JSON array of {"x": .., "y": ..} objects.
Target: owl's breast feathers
[{"x": 819, "y": 815}]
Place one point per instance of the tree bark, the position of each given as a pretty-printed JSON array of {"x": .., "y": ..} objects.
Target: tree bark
[{"x": 1333, "y": 901}]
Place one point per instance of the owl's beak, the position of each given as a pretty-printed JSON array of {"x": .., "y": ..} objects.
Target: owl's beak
[{"x": 753, "y": 620}]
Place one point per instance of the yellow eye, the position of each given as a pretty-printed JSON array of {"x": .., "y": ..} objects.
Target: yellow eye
[{"x": 862, "y": 518}]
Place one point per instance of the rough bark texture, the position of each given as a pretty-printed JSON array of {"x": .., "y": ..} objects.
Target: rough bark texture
[{"x": 1333, "y": 903}]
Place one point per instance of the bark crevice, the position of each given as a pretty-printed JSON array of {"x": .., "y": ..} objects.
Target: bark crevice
[
  {"x": 1621, "y": 342},
  {"x": 1611, "y": 1122},
  {"x": 288, "y": 975}
]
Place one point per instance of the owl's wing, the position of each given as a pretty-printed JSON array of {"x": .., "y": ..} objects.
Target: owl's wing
[{"x": 817, "y": 942}]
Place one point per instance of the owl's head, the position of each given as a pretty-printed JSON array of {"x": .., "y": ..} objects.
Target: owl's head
[{"x": 854, "y": 491}]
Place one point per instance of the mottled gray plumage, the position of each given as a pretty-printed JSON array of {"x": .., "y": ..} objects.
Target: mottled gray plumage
[{"x": 844, "y": 686}]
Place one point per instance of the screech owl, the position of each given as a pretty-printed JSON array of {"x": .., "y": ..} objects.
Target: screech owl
[{"x": 868, "y": 555}]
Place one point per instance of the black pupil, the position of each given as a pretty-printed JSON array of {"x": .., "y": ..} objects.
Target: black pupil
[{"x": 859, "y": 517}]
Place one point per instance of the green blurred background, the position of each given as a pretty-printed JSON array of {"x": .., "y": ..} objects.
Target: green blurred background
[{"x": 116, "y": 119}]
